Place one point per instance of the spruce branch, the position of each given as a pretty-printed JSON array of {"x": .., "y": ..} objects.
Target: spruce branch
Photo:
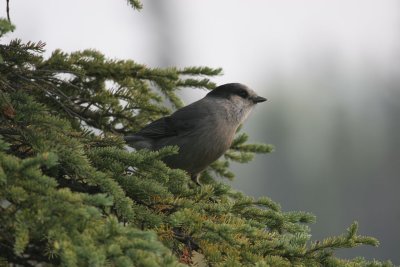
[
  {"x": 348, "y": 240},
  {"x": 71, "y": 194},
  {"x": 136, "y": 4}
]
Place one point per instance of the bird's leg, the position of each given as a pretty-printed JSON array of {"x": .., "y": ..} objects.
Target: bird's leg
[{"x": 195, "y": 178}]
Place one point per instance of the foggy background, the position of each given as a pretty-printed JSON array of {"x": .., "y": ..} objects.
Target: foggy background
[{"x": 330, "y": 71}]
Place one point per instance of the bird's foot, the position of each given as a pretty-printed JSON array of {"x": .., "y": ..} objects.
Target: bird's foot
[{"x": 196, "y": 179}]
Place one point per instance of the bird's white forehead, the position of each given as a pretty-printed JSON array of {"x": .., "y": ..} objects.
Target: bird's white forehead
[{"x": 249, "y": 90}]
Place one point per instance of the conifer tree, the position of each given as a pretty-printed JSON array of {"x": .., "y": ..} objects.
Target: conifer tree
[{"x": 71, "y": 194}]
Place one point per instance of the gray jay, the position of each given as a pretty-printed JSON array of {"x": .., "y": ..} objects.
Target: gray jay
[{"x": 203, "y": 130}]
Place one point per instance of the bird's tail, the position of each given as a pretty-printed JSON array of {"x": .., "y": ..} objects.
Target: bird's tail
[
  {"x": 134, "y": 138},
  {"x": 138, "y": 142}
]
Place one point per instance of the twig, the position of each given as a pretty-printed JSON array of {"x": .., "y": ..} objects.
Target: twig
[{"x": 8, "y": 10}]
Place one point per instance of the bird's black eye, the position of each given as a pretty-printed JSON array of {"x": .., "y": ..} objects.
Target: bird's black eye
[{"x": 243, "y": 93}]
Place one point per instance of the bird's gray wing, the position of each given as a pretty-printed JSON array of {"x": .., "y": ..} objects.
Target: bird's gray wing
[
  {"x": 160, "y": 128},
  {"x": 182, "y": 121}
]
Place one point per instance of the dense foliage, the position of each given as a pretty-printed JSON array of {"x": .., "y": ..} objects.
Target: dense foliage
[{"x": 72, "y": 194}]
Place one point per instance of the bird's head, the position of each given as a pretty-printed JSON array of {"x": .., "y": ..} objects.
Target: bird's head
[
  {"x": 237, "y": 93},
  {"x": 241, "y": 98}
]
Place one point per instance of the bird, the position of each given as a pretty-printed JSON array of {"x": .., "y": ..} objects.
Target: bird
[{"x": 203, "y": 131}]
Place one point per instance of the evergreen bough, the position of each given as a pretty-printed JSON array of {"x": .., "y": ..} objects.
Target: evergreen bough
[{"x": 71, "y": 194}]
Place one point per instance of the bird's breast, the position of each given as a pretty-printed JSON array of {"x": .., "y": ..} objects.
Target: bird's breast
[
  {"x": 216, "y": 140},
  {"x": 200, "y": 147}
]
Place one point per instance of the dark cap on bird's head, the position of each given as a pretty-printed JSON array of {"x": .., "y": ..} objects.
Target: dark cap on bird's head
[{"x": 230, "y": 89}]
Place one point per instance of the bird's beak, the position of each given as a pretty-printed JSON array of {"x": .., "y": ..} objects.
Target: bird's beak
[{"x": 258, "y": 99}]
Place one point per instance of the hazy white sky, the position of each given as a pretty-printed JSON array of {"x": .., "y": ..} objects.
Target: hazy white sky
[{"x": 248, "y": 39}]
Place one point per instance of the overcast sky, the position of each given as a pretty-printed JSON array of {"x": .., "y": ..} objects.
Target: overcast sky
[{"x": 246, "y": 40}]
